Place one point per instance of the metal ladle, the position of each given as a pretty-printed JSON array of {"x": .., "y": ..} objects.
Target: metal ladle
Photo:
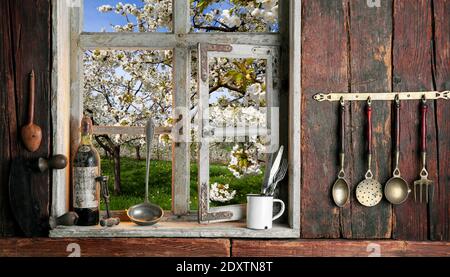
[
  {"x": 397, "y": 189},
  {"x": 146, "y": 213},
  {"x": 341, "y": 189}
]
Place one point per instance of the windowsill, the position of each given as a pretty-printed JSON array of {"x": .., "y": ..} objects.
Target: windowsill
[{"x": 184, "y": 229}]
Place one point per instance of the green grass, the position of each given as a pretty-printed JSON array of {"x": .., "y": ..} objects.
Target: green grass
[{"x": 160, "y": 183}]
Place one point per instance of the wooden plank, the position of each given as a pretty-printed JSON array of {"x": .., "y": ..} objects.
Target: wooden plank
[
  {"x": 169, "y": 41},
  {"x": 324, "y": 68},
  {"x": 338, "y": 248},
  {"x": 181, "y": 162},
  {"x": 138, "y": 247},
  {"x": 411, "y": 72},
  {"x": 26, "y": 24},
  {"x": 181, "y": 11},
  {"x": 440, "y": 207},
  {"x": 32, "y": 26},
  {"x": 129, "y": 130},
  {"x": 76, "y": 88},
  {"x": 8, "y": 124},
  {"x": 60, "y": 103},
  {"x": 282, "y": 113},
  {"x": 370, "y": 35},
  {"x": 177, "y": 229},
  {"x": 295, "y": 46}
]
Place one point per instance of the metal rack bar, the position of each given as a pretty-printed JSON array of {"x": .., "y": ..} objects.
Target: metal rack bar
[{"x": 381, "y": 96}]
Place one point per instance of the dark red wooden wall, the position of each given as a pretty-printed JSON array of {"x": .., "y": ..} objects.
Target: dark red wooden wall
[
  {"x": 349, "y": 47},
  {"x": 25, "y": 44}
]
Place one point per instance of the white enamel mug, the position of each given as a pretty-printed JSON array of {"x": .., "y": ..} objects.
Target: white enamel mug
[{"x": 260, "y": 211}]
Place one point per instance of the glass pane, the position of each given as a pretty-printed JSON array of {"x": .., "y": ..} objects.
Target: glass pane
[
  {"x": 124, "y": 88},
  {"x": 234, "y": 15},
  {"x": 237, "y": 92},
  {"x": 127, "y": 16},
  {"x": 236, "y": 169}
]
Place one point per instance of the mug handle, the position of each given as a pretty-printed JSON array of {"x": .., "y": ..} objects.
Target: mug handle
[{"x": 282, "y": 209}]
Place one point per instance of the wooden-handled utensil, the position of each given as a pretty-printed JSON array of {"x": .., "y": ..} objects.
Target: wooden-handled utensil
[
  {"x": 396, "y": 189},
  {"x": 423, "y": 181},
  {"x": 369, "y": 191},
  {"x": 341, "y": 189},
  {"x": 31, "y": 133}
]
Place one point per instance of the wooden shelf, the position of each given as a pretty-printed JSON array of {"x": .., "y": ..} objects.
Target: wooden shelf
[
  {"x": 339, "y": 248},
  {"x": 208, "y": 247},
  {"x": 186, "y": 229}
]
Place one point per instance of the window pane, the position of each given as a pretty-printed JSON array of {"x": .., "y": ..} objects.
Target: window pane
[
  {"x": 128, "y": 16},
  {"x": 237, "y": 92},
  {"x": 236, "y": 169},
  {"x": 125, "y": 88},
  {"x": 234, "y": 15}
]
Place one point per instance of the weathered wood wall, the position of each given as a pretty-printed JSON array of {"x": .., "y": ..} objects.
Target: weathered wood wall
[
  {"x": 347, "y": 46},
  {"x": 24, "y": 45},
  {"x": 350, "y": 47}
]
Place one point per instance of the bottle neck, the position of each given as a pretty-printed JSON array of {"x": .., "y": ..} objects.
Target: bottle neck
[{"x": 86, "y": 139}]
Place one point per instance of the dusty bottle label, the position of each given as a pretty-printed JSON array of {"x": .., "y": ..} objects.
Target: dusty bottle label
[{"x": 85, "y": 187}]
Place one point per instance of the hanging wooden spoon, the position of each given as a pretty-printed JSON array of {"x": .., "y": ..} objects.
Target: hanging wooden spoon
[{"x": 31, "y": 133}]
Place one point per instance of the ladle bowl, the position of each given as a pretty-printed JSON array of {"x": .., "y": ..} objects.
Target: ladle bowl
[
  {"x": 396, "y": 190},
  {"x": 145, "y": 214},
  {"x": 340, "y": 192}
]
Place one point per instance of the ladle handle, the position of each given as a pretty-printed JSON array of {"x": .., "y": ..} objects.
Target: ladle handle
[
  {"x": 342, "y": 123},
  {"x": 423, "y": 146},
  {"x": 31, "y": 101},
  {"x": 369, "y": 127},
  {"x": 397, "y": 126},
  {"x": 149, "y": 136}
]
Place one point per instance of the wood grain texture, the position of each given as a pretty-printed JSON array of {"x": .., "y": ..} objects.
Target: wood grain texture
[
  {"x": 324, "y": 68},
  {"x": 370, "y": 31},
  {"x": 8, "y": 125},
  {"x": 338, "y": 248},
  {"x": 412, "y": 71},
  {"x": 25, "y": 46},
  {"x": 440, "y": 207},
  {"x": 142, "y": 247}
]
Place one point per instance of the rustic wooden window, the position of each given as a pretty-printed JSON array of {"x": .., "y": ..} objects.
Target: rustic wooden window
[{"x": 70, "y": 44}]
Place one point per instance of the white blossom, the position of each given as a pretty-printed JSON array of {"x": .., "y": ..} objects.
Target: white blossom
[{"x": 221, "y": 193}]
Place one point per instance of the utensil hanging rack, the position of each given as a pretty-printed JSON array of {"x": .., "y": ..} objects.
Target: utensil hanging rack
[{"x": 382, "y": 96}]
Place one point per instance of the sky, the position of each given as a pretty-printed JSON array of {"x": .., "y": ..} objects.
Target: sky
[{"x": 94, "y": 21}]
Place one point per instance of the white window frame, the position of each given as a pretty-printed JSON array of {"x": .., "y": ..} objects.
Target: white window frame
[{"x": 69, "y": 44}]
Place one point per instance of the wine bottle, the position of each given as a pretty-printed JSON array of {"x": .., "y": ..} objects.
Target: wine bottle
[{"x": 86, "y": 165}]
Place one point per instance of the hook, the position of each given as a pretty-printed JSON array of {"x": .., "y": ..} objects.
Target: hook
[
  {"x": 397, "y": 99},
  {"x": 424, "y": 100},
  {"x": 342, "y": 101},
  {"x": 369, "y": 101}
]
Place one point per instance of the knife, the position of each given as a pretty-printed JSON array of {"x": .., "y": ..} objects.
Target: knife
[
  {"x": 269, "y": 162},
  {"x": 275, "y": 167}
]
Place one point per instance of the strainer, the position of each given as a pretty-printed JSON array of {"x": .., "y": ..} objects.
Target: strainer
[{"x": 369, "y": 191}]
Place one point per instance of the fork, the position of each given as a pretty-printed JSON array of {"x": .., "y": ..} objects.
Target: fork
[{"x": 278, "y": 177}]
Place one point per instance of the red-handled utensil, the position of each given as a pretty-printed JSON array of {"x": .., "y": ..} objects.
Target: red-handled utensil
[
  {"x": 369, "y": 191},
  {"x": 423, "y": 182}
]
